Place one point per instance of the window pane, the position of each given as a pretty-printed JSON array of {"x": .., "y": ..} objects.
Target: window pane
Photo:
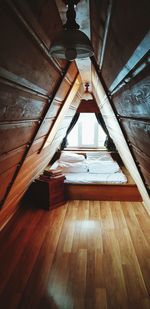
[
  {"x": 87, "y": 132},
  {"x": 87, "y": 127}
]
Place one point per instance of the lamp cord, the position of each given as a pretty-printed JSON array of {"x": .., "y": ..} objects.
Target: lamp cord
[{"x": 71, "y": 17}]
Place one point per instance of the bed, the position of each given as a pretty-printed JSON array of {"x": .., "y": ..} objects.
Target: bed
[
  {"x": 95, "y": 176},
  {"x": 96, "y": 168}
]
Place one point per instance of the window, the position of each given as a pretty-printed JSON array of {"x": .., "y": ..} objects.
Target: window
[{"x": 87, "y": 133}]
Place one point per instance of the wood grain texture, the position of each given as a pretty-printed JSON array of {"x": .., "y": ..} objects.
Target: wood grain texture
[
  {"x": 102, "y": 192},
  {"x": 84, "y": 254},
  {"x": 124, "y": 35},
  {"x": 133, "y": 99},
  {"x": 117, "y": 134}
]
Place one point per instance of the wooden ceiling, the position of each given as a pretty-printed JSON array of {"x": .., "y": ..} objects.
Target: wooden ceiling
[{"x": 35, "y": 87}]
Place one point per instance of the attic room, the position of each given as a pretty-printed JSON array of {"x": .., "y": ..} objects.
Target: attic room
[{"x": 74, "y": 104}]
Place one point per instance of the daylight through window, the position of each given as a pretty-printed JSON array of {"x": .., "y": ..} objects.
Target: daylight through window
[{"x": 86, "y": 133}]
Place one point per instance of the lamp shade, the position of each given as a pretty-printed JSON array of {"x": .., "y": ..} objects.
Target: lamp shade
[{"x": 71, "y": 44}]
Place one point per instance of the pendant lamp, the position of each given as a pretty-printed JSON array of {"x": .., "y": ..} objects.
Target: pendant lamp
[{"x": 71, "y": 43}]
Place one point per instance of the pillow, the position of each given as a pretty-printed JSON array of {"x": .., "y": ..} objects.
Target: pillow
[
  {"x": 71, "y": 157},
  {"x": 78, "y": 167},
  {"x": 100, "y": 159},
  {"x": 99, "y": 156},
  {"x": 106, "y": 167}
]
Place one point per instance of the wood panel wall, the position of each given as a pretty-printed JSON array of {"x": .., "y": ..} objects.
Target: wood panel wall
[
  {"x": 118, "y": 136},
  {"x": 33, "y": 89},
  {"x": 132, "y": 103},
  {"x": 125, "y": 73},
  {"x": 129, "y": 24}
]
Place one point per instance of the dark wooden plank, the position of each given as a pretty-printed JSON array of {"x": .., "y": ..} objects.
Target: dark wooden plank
[
  {"x": 28, "y": 64},
  {"x": 133, "y": 99},
  {"x": 19, "y": 105},
  {"x": 41, "y": 16},
  {"x": 5, "y": 180},
  {"x": 11, "y": 158},
  {"x": 102, "y": 192},
  {"x": 124, "y": 35},
  {"x": 138, "y": 132},
  {"x": 146, "y": 174},
  {"x": 143, "y": 161},
  {"x": 13, "y": 135}
]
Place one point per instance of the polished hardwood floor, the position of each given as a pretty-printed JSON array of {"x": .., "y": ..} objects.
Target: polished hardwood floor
[{"x": 80, "y": 255}]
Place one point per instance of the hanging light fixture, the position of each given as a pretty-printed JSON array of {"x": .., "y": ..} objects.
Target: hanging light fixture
[
  {"x": 71, "y": 43},
  {"x": 87, "y": 95}
]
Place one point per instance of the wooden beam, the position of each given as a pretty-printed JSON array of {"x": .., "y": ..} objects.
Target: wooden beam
[
  {"x": 107, "y": 23},
  {"x": 139, "y": 53},
  {"x": 9, "y": 77},
  {"x": 138, "y": 68}
]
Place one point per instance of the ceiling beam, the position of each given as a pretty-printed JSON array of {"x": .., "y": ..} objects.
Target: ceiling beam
[
  {"x": 107, "y": 23},
  {"x": 139, "y": 53}
]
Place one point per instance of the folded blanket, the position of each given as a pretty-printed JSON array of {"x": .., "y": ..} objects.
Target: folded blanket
[
  {"x": 79, "y": 167},
  {"x": 103, "y": 167},
  {"x": 87, "y": 178}
]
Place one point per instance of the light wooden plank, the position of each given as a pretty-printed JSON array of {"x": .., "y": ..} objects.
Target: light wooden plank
[{"x": 84, "y": 254}]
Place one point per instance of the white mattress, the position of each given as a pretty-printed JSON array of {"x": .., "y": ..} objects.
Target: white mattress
[
  {"x": 98, "y": 171},
  {"x": 87, "y": 178}
]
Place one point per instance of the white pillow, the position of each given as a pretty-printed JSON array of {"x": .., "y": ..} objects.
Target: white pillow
[
  {"x": 78, "y": 167},
  {"x": 99, "y": 156},
  {"x": 71, "y": 157},
  {"x": 106, "y": 167}
]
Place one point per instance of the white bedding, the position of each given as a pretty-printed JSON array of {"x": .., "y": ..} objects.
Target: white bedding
[
  {"x": 71, "y": 157},
  {"x": 78, "y": 167},
  {"x": 87, "y": 178},
  {"x": 99, "y": 156},
  {"x": 92, "y": 170},
  {"x": 100, "y": 167}
]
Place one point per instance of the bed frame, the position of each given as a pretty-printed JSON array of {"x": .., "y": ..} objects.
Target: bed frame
[{"x": 104, "y": 192}]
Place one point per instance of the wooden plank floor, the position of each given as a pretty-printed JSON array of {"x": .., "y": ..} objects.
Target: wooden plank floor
[{"x": 81, "y": 255}]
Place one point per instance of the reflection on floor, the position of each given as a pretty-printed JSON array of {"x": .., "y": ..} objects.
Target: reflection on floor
[{"x": 80, "y": 255}]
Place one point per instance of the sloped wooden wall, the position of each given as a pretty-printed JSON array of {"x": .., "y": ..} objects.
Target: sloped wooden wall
[
  {"x": 133, "y": 107},
  {"x": 125, "y": 70},
  {"x": 33, "y": 89}
]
